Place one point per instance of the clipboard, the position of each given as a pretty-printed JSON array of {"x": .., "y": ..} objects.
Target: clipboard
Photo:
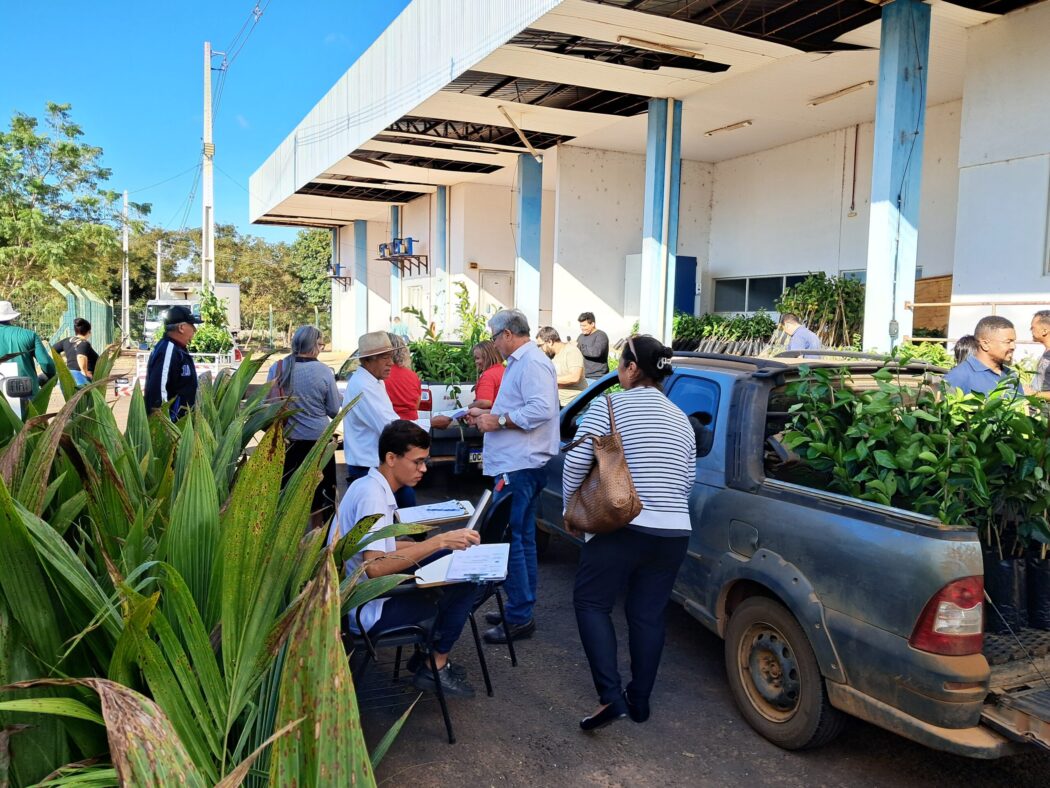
[
  {"x": 436, "y": 513},
  {"x": 481, "y": 563}
]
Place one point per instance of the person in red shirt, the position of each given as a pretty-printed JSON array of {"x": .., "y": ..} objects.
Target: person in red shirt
[
  {"x": 490, "y": 367},
  {"x": 403, "y": 386}
]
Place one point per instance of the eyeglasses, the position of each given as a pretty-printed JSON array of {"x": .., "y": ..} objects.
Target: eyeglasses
[{"x": 630, "y": 344}]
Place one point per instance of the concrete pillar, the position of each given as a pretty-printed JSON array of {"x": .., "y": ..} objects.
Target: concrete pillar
[
  {"x": 900, "y": 119},
  {"x": 360, "y": 277},
  {"x": 439, "y": 298},
  {"x": 395, "y": 270},
  {"x": 663, "y": 181},
  {"x": 530, "y": 218}
]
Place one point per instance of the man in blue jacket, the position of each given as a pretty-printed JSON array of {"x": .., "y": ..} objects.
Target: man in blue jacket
[{"x": 170, "y": 373}]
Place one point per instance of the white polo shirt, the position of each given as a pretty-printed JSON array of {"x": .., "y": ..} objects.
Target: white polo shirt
[
  {"x": 365, "y": 421},
  {"x": 371, "y": 494}
]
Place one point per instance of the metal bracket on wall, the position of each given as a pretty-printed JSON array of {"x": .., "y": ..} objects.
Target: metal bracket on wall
[
  {"x": 344, "y": 281},
  {"x": 408, "y": 263}
]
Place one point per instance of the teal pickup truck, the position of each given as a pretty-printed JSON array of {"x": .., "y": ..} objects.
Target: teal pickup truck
[{"x": 831, "y": 606}]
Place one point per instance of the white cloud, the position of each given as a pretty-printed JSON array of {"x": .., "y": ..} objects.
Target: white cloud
[
  {"x": 243, "y": 122},
  {"x": 334, "y": 38}
]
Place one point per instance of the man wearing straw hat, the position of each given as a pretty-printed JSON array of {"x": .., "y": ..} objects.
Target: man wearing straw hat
[
  {"x": 24, "y": 345},
  {"x": 363, "y": 424}
]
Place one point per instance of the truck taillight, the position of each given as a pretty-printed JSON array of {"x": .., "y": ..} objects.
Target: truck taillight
[{"x": 952, "y": 621}]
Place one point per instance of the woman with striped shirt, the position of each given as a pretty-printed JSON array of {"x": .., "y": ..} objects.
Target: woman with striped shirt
[{"x": 642, "y": 558}]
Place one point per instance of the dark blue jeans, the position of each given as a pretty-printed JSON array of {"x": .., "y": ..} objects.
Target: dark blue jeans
[
  {"x": 646, "y": 566},
  {"x": 521, "y": 568},
  {"x": 454, "y": 605},
  {"x": 405, "y": 497}
]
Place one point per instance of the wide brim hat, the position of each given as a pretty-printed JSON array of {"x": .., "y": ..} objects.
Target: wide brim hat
[
  {"x": 375, "y": 343},
  {"x": 8, "y": 312}
]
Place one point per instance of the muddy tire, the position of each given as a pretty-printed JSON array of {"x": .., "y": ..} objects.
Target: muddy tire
[{"x": 775, "y": 679}]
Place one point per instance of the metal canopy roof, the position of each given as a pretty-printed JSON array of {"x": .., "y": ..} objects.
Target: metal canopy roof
[{"x": 581, "y": 72}]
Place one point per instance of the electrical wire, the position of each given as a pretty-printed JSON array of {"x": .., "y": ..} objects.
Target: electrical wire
[
  {"x": 234, "y": 49},
  {"x": 160, "y": 183}
]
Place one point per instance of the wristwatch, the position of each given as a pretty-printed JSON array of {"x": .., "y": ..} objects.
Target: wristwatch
[{"x": 502, "y": 421}]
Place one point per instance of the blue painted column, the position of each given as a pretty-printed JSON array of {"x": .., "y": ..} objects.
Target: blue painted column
[
  {"x": 530, "y": 218},
  {"x": 360, "y": 278},
  {"x": 663, "y": 181},
  {"x": 395, "y": 271},
  {"x": 439, "y": 297},
  {"x": 896, "y": 177}
]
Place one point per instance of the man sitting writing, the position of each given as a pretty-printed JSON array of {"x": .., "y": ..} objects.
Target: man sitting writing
[{"x": 403, "y": 451}]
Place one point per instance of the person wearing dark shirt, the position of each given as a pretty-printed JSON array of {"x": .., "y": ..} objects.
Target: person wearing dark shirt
[
  {"x": 80, "y": 356},
  {"x": 25, "y": 346},
  {"x": 170, "y": 374},
  {"x": 986, "y": 367},
  {"x": 1041, "y": 334},
  {"x": 594, "y": 344}
]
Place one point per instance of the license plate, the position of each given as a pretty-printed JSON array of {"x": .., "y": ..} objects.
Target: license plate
[{"x": 475, "y": 455}]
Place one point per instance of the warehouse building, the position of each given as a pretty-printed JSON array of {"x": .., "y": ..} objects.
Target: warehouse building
[{"x": 633, "y": 157}]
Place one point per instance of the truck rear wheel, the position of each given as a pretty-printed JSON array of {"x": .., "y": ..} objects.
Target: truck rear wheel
[{"x": 775, "y": 679}]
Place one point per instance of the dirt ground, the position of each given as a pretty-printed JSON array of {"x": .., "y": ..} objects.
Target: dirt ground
[{"x": 528, "y": 734}]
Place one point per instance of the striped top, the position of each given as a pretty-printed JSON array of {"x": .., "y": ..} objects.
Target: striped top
[{"x": 660, "y": 447}]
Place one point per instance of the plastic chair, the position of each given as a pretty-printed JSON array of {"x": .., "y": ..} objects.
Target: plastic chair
[
  {"x": 419, "y": 635},
  {"x": 493, "y": 529}
]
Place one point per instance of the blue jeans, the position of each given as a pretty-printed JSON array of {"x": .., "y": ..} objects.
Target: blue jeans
[
  {"x": 79, "y": 377},
  {"x": 521, "y": 569},
  {"x": 405, "y": 497},
  {"x": 453, "y": 607}
]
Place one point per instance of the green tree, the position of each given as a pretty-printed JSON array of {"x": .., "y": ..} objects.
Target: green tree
[
  {"x": 311, "y": 257},
  {"x": 57, "y": 219}
]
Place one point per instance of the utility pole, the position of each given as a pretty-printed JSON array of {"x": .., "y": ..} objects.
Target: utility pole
[
  {"x": 208, "y": 183},
  {"x": 125, "y": 283},
  {"x": 159, "y": 251}
]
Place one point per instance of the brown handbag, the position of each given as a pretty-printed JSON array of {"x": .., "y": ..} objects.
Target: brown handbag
[{"x": 606, "y": 501}]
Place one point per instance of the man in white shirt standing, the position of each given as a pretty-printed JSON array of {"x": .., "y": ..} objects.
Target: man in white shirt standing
[
  {"x": 521, "y": 435},
  {"x": 403, "y": 448},
  {"x": 373, "y": 411}
]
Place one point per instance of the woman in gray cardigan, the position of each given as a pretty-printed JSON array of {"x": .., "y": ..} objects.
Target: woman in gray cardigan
[{"x": 310, "y": 388}]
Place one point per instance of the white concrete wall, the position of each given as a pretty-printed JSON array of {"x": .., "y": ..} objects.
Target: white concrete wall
[
  {"x": 787, "y": 210},
  {"x": 343, "y": 332},
  {"x": 599, "y": 223},
  {"x": 1002, "y": 233}
]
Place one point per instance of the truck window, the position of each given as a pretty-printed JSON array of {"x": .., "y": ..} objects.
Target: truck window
[{"x": 698, "y": 399}]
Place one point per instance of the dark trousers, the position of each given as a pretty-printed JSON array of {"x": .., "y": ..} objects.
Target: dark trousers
[
  {"x": 520, "y": 584},
  {"x": 405, "y": 497},
  {"x": 453, "y": 606},
  {"x": 324, "y": 495},
  {"x": 645, "y": 566}
]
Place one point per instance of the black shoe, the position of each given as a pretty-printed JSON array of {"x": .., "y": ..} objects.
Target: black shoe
[
  {"x": 517, "y": 632},
  {"x": 452, "y": 685},
  {"x": 493, "y": 618},
  {"x": 416, "y": 661},
  {"x": 616, "y": 710},
  {"x": 637, "y": 711}
]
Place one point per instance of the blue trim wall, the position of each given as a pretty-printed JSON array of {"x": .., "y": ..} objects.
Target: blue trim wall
[
  {"x": 395, "y": 271},
  {"x": 530, "y": 217},
  {"x": 360, "y": 278}
]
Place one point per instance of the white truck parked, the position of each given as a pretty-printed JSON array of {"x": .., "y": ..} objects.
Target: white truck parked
[{"x": 188, "y": 294}]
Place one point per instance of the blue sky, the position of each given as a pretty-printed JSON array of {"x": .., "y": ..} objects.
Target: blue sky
[{"x": 133, "y": 72}]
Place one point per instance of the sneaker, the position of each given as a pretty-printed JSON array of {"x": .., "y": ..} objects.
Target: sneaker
[
  {"x": 451, "y": 684},
  {"x": 416, "y": 661}
]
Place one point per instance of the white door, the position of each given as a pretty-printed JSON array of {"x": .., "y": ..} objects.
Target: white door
[{"x": 497, "y": 291}]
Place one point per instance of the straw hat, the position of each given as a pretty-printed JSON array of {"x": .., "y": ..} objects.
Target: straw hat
[
  {"x": 7, "y": 312},
  {"x": 374, "y": 343}
]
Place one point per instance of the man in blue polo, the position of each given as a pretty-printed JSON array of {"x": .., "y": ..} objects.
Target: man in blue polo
[
  {"x": 986, "y": 366},
  {"x": 801, "y": 338}
]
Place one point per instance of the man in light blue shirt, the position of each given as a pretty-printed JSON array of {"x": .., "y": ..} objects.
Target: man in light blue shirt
[
  {"x": 521, "y": 435},
  {"x": 801, "y": 337}
]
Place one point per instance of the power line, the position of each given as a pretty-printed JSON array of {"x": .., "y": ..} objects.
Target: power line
[
  {"x": 159, "y": 183},
  {"x": 234, "y": 49}
]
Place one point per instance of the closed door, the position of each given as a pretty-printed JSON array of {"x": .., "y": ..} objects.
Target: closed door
[{"x": 497, "y": 291}]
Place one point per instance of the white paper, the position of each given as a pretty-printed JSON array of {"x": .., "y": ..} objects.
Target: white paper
[
  {"x": 480, "y": 562},
  {"x": 445, "y": 510}
]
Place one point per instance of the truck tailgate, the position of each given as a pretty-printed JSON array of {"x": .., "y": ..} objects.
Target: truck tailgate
[{"x": 1018, "y": 703}]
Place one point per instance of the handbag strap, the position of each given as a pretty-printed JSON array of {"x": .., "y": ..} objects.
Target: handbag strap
[{"x": 582, "y": 438}]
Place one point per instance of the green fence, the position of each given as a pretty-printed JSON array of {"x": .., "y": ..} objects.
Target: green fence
[{"x": 81, "y": 302}]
